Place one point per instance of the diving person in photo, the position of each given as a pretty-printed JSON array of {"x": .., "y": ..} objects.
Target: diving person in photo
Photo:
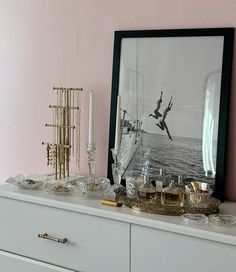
[
  {"x": 156, "y": 111},
  {"x": 162, "y": 124}
]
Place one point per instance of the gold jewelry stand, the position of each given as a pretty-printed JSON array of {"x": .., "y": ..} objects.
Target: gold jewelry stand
[{"x": 66, "y": 131}]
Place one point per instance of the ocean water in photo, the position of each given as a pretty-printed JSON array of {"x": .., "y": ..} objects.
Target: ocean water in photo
[{"x": 182, "y": 156}]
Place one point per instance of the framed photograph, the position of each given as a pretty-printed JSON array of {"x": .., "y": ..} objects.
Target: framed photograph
[{"x": 174, "y": 88}]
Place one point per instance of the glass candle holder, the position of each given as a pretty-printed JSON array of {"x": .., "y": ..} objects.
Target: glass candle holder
[
  {"x": 92, "y": 186},
  {"x": 91, "y": 148}
]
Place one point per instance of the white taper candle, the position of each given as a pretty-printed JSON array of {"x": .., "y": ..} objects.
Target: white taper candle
[{"x": 91, "y": 120}]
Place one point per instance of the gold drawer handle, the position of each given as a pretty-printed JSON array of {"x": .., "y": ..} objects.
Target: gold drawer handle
[{"x": 46, "y": 236}]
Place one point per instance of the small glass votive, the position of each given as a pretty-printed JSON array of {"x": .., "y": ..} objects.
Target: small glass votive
[
  {"x": 198, "y": 200},
  {"x": 131, "y": 187}
]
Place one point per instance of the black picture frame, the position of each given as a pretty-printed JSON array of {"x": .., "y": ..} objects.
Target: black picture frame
[{"x": 228, "y": 37}]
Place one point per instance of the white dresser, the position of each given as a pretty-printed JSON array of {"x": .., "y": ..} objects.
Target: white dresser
[{"x": 97, "y": 238}]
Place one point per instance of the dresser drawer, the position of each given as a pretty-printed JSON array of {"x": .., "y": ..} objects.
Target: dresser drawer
[
  {"x": 159, "y": 250},
  {"x": 94, "y": 244},
  {"x": 12, "y": 263}
]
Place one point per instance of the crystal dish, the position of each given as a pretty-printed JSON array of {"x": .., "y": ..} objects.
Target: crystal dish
[
  {"x": 194, "y": 219},
  {"x": 222, "y": 220},
  {"x": 28, "y": 182},
  {"x": 93, "y": 186},
  {"x": 58, "y": 188}
]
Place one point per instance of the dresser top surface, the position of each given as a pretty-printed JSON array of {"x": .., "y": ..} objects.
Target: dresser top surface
[{"x": 76, "y": 203}]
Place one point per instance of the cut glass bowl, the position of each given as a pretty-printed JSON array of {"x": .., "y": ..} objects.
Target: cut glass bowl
[{"x": 33, "y": 181}]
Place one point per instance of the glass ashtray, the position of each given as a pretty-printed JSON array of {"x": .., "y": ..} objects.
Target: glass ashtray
[
  {"x": 59, "y": 188},
  {"x": 93, "y": 186},
  {"x": 194, "y": 219},
  {"x": 33, "y": 181},
  {"x": 222, "y": 220}
]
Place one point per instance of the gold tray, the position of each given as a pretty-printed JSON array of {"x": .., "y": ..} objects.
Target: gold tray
[{"x": 157, "y": 208}]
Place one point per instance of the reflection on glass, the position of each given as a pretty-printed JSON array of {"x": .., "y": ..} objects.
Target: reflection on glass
[
  {"x": 210, "y": 122},
  {"x": 131, "y": 88}
]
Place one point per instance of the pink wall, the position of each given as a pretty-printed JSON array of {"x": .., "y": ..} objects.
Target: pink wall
[{"x": 57, "y": 42}]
